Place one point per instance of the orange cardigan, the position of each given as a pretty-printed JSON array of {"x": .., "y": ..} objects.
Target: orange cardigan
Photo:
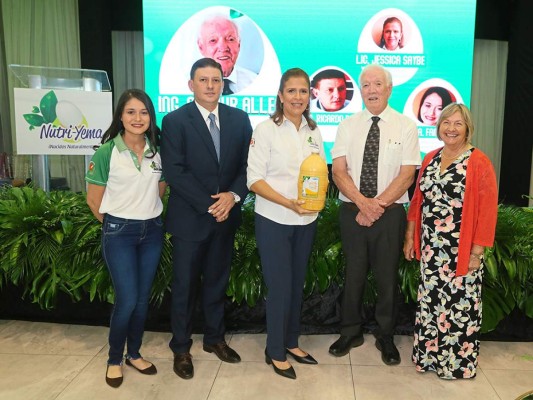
[{"x": 480, "y": 208}]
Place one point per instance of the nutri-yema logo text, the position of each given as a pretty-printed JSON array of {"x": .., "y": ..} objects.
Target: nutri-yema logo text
[{"x": 61, "y": 120}]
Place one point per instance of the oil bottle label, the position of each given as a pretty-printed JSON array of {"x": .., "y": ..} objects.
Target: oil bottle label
[{"x": 310, "y": 186}]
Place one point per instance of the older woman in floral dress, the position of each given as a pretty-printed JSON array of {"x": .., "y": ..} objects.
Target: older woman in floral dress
[{"x": 452, "y": 218}]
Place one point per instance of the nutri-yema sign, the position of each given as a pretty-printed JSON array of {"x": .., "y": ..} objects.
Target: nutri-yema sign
[{"x": 65, "y": 122}]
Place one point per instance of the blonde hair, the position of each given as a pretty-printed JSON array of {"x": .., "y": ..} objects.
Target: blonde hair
[{"x": 466, "y": 115}]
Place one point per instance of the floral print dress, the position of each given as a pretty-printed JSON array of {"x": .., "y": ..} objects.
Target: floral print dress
[{"x": 448, "y": 317}]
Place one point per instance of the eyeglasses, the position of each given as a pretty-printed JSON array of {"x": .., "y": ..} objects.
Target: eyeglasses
[{"x": 457, "y": 124}]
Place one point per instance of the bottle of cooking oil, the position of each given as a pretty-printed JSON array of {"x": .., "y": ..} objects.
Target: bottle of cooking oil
[{"x": 313, "y": 182}]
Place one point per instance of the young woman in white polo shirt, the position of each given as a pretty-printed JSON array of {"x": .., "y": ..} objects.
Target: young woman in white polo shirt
[{"x": 125, "y": 186}]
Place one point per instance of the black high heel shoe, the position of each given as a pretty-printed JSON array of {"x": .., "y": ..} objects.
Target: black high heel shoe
[
  {"x": 308, "y": 359},
  {"x": 286, "y": 373}
]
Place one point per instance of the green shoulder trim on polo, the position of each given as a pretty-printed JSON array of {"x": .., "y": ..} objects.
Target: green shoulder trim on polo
[
  {"x": 98, "y": 171},
  {"x": 119, "y": 142}
]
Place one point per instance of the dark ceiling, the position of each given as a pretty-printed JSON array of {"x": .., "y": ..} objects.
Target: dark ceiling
[{"x": 492, "y": 17}]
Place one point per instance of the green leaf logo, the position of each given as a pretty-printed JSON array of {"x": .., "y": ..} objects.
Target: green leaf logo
[
  {"x": 34, "y": 119},
  {"x": 48, "y": 106},
  {"x": 47, "y": 111},
  {"x": 57, "y": 113}
]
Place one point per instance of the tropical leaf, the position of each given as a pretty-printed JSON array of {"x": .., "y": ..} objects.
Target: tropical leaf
[
  {"x": 528, "y": 306},
  {"x": 163, "y": 277},
  {"x": 495, "y": 308},
  {"x": 409, "y": 272},
  {"x": 491, "y": 265}
]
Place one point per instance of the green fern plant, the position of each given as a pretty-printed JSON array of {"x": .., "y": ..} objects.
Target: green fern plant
[
  {"x": 246, "y": 278},
  {"x": 509, "y": 267},
  {"x": 83, "y": 253},
  {"x": 50, "y": 243},
  {"x": 34, "y": 230},
  {"x": 508, "y": 280},
  {"x": 326, "y": 264}
]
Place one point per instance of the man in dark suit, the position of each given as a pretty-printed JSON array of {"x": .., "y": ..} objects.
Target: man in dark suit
[{"x": 204, "y": 149}]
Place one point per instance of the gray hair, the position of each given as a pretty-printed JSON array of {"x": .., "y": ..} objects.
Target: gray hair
[
  {"x": 385, "y": 71},
  {"x": 212, "y": 17}
]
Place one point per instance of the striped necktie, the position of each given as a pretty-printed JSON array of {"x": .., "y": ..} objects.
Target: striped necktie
[{"x": 215, "y": 133}]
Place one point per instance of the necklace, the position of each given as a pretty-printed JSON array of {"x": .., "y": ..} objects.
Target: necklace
[{"x": 442, "y": 155}]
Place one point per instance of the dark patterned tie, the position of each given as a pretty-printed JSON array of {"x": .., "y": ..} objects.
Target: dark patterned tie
[
  {"x": 369, "y": 171},
  {"x": 226, "y": 89},
  {"x": 215, "y": 133}
]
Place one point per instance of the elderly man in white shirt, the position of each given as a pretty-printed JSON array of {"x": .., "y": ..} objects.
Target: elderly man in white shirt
[{"x": 375, "y": 156}]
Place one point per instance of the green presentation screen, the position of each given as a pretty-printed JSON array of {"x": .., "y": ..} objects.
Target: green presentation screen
[{"x": 426, "y": 45}]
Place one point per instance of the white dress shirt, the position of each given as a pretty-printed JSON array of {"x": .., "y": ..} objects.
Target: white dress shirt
[
  {"x": 398, "y": 145},
  {"x": 276, "y": 153},
  {"x": 205, "y": 115}
]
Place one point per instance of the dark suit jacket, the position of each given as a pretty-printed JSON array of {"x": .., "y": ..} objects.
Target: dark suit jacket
[{"x": 191, "y": 168}]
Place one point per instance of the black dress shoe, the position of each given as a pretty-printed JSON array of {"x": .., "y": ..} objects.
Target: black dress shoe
[
  {"x": 344, "y": 344},
  {"x": 223, "y": 351},
  {"x": 308, "y": 359},
  {"x": 183, "y": 365},
  {"x": 389, "y": 352},
  {"x": 151, "y": 370},
  {"x": 286, "y": 373},
  {"x": 113, "y": 382}
]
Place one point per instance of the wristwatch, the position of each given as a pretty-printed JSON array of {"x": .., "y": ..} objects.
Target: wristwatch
[{"x": 236, "y": 197}]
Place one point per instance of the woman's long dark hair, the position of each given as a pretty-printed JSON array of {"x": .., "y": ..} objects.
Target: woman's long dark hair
[
  {"x": 441, "y": 92},
  {"x": 117, "y": 127},
  {"x": 277, "y": 117}
]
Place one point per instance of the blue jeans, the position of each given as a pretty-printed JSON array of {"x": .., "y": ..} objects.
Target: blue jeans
[{"x": 131, "y": 250}]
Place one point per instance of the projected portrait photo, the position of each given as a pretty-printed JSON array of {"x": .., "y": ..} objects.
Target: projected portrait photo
[
  {"x": 219, "y": 39},
  {"x": 392, "y": 30},
  {"x": 392, "y": 37},
  {"x": 230, "y": 38},
  {"x": 331, "y": 90},
  {"x": 428, "y": 104},
  {"x": 334, "y": 97},
  {"x": 426, "y": 101},
  {"x": 424, "y": 106}
]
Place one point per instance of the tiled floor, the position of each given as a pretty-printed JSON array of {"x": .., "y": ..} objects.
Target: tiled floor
[{"x": 53, "y": 361}]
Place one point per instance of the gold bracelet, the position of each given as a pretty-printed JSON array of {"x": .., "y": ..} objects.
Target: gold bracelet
[{"x": 478, "y": 256}]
